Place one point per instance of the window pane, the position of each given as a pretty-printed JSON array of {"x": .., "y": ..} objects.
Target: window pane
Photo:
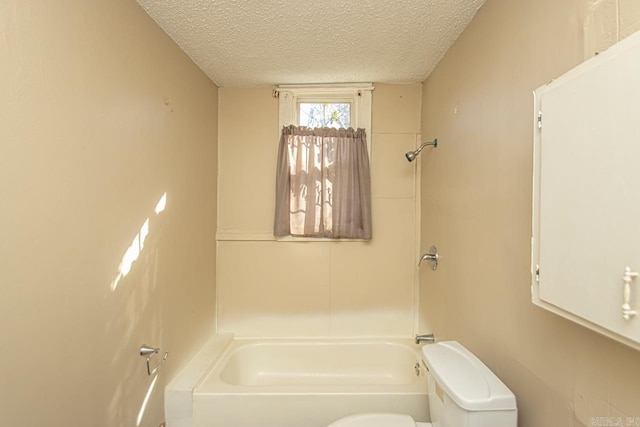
[{"x": 333, "y": 115}]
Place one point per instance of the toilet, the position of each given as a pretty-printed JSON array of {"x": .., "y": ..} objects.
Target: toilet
[{"x": 463, "y": 392}]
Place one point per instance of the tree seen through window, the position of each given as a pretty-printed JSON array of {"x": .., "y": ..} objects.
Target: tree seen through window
[{"x": 330, "y": 114}]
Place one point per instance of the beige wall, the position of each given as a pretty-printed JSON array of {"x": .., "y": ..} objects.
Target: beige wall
[
  {"x": 101, "y": 114},
  {"x": 269, "y": 288},
  {"x": 476, "y": 206}
]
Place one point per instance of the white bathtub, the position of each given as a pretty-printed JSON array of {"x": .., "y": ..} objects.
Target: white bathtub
[{"x": 305, "y": 383}]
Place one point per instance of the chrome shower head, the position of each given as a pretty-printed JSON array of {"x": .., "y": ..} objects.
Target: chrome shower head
[{"x": 411, "y": 155}]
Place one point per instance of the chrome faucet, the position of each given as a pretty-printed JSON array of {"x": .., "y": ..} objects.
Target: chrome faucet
[
  {"x": 430, "y": 338},
  {"x": 432, "y": 256}
]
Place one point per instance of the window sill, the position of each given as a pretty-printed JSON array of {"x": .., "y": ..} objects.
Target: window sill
[
  {"x": 268, "y": 237},
  {"x": 315, "y": 239}
]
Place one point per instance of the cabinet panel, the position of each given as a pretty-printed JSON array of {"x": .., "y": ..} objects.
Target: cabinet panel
[{"x": 586, "y": 226}]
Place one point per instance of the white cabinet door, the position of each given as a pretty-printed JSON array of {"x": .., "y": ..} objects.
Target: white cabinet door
[{"x": 586, "y": 227}]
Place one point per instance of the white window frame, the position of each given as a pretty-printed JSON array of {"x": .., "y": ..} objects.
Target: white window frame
[{"x": 357, "y": 94}]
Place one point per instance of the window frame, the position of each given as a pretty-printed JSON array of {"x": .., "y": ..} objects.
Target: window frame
[{"x": 357, "y": 94}]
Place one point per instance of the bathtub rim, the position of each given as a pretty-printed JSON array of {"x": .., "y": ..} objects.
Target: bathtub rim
[{"x": 178, "y": 393}]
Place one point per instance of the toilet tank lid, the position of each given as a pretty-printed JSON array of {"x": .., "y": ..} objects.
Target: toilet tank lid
[{"x": 468, "y": 381}]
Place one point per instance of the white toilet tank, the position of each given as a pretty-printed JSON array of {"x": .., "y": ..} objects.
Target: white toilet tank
[{"x": 463, "y": 391}]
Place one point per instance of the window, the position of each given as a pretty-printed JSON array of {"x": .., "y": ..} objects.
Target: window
[
  {"x": 296, "y": 101},
  {"x": 323, "y": 180}
]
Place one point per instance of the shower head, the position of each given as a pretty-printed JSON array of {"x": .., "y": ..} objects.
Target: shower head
[{"x": 411, "y": 155}]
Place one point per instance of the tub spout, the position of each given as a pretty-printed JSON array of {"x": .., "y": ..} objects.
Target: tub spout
[
  {"x": 429, "y": 338},
  {"x": 432, "y": 256}
]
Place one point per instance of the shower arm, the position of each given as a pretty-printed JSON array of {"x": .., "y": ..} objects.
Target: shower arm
[
  {"x": 411, "y": 155},
  {"x": 424, "y": 144}
]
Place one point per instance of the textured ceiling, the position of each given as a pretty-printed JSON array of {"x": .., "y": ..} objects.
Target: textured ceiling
[{"x": 251, "y": 42}]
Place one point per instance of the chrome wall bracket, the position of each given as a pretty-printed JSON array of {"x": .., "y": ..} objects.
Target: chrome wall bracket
[{"x": 149, "y": 351}]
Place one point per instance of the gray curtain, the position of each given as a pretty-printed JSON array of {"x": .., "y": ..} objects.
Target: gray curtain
[{"x": 323, "y": 185}]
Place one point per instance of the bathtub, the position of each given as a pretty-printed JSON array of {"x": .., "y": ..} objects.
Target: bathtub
[{"x": 304, "y": 383}]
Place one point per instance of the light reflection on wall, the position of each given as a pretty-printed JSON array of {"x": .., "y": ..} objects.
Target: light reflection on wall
[
  {"x": 133, "y": 251},
  {"x": 162, "y": 203},
  {"x": 145, "y": 402}
]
